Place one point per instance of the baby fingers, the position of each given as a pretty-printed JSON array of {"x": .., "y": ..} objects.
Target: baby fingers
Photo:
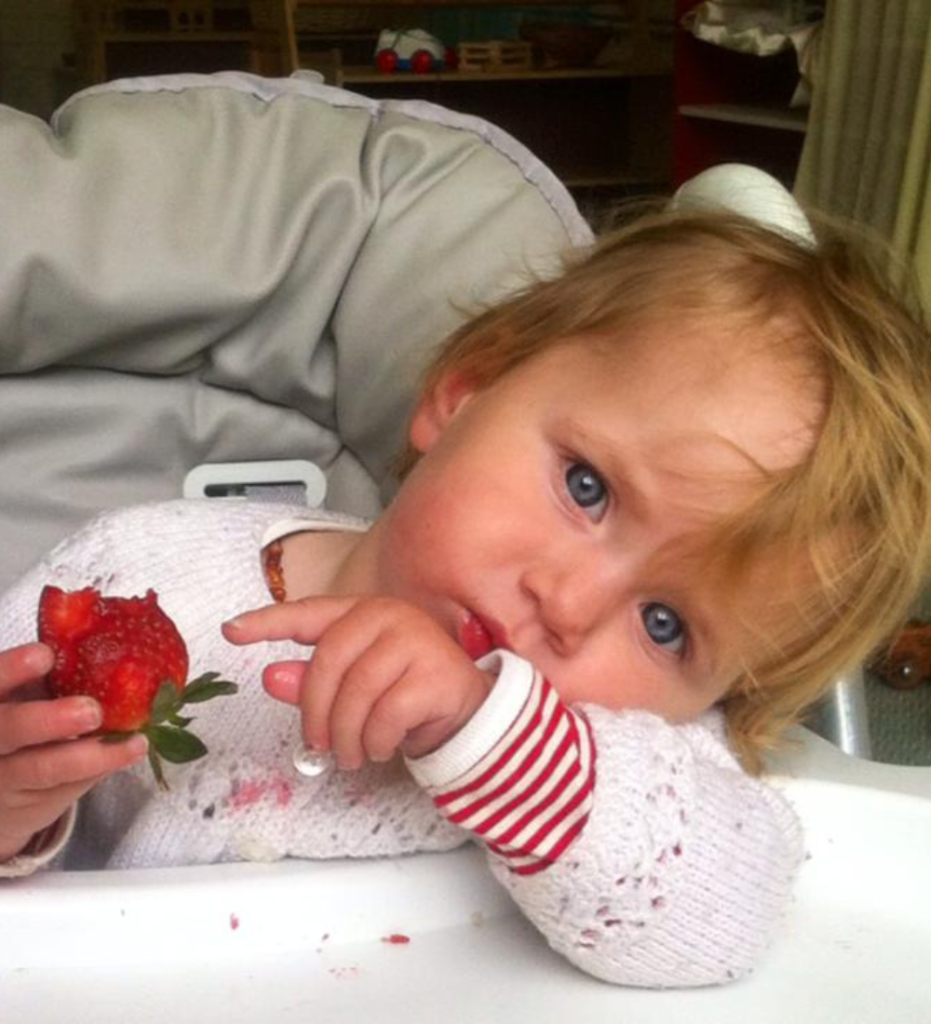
[
  {"x": 301, "y": 621},
  {"x": 32, "y": 723},
  {"x": 21, "y": 665},
  {"x": 371, "y": 704},
  {"x": 39, "y": 784},
  {"x": 76, "y": 762},
  {"x": 282, "y": 680}
]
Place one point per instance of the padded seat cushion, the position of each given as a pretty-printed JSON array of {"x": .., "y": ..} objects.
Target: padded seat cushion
[{"x": 222, "y": 268}]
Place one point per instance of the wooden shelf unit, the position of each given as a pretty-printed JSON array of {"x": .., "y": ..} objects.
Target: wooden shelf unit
[
  {"x": 366, "y": 74},
  {"x": 597, "y": 127},
  {"x": 137, "y": 37},
  {"x": 753, "y": 115},
  {"x": 732, "y": 106},
  {"x": 602, "y": 128}
]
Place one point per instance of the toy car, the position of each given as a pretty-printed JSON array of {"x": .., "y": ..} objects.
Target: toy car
[{"x": 412, "y": 50}]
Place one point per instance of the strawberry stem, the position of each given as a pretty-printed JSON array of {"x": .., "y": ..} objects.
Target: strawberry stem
[
  {"x": 167, "y": 730},
  {"x": 155, "y": 763}
]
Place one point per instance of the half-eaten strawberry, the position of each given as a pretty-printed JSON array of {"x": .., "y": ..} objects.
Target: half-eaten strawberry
[{"x": 128, "y": 655}]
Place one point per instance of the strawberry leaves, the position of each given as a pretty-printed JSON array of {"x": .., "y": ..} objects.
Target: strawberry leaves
[
  {"x": 206, "y": 687},
  {"x": 167, "y": 730}
]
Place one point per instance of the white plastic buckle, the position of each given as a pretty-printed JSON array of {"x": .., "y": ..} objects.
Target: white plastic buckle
[{"x": 287, "y": 480}]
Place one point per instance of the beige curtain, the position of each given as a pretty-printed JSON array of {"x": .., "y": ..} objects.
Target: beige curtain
[{"x": 867, "y": 154}]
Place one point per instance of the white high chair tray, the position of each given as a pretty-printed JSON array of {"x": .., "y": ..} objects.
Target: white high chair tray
[{"x": 325, "y": 942}]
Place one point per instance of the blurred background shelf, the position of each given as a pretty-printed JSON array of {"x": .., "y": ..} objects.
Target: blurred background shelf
[
  {"x": 779, "y": 118},
  {"x": 602, "y": 122},
  {"x": 356, "y": 74},
  {"x": 733, "y": 106}
]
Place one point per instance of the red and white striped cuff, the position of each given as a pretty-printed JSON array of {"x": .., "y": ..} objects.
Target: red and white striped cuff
[{"x": 521, "y": 773}]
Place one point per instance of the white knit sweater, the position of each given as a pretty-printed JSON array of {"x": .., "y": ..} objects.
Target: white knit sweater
[{"x": 680, "y": 876}]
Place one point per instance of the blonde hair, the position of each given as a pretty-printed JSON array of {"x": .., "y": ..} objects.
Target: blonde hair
[{"x": 857, "y": 507}]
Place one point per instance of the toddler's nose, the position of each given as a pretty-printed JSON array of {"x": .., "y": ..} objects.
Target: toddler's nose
[{"x": 572, "y": 596}]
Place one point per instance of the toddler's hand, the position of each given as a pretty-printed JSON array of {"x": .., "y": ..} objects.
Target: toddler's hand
[
  {"x": 46, "y": 761},
  {"x": 384, "y": 676}
]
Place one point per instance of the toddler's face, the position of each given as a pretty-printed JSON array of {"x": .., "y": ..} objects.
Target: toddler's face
[{"x": 546, "y": 513}]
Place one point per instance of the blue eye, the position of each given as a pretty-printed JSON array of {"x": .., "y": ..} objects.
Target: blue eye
[
  {"x": 586, "y": 488},
  {"x": 663, "y": 626}
]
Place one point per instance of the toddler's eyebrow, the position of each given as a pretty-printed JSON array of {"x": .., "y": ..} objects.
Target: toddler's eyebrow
[
  {"x": 610, "y": 463},
  {"x": 694, "y": 488}
]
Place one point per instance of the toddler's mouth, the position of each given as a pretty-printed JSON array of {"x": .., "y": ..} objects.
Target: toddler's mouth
[{"x": 474, "y": 637}]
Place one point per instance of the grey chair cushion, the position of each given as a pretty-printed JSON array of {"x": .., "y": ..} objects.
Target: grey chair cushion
[{"x": 218, "y": 268}]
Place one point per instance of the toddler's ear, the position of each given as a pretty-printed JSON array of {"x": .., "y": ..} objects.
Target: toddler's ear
[{"x": 436, "y": 408}]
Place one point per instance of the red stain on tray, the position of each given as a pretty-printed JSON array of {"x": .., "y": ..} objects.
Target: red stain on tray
[
  {"x": 250, "y": 792},
  {"x": 396, "y": 939},
  {"x": 234, "y": 922}
]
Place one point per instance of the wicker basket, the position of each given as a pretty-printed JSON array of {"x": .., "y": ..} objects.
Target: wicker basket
[{"x": 496, "y": 55}]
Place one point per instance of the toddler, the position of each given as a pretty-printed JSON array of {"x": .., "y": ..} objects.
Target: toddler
[{"x": 648, "y": 510}]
